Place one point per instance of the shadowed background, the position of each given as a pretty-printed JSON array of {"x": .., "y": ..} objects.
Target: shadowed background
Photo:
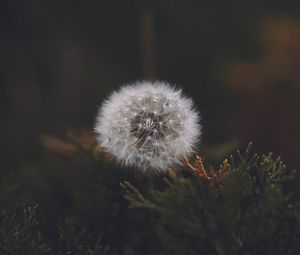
[{"x": 239, "y": 60}]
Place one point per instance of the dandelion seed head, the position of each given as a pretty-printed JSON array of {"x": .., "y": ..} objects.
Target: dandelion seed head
[{"x": 148, "y": 125}]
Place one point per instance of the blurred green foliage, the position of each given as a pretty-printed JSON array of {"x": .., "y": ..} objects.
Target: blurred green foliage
[
  {"x": 246, "y": 211},
  {"x": 19, "y": 235}
]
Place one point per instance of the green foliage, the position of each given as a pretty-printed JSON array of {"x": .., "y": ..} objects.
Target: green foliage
[
  {"x": 86, "y": 190},
  {"x": 99, "y": 204},
  {"x": 78, "y": 242},
  {"x": 249, "y": 213},
  {"x": 245, "y": 210},
  {"x": 19, "y": 236}
]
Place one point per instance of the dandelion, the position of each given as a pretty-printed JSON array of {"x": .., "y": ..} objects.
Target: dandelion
[{"x": 148, "y": 125}]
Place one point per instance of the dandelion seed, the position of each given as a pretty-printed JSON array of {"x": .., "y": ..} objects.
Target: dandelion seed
[{"x": 148, "y": 125}]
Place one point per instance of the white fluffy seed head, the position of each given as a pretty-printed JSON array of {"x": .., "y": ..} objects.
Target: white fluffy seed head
[{"x": 148, "y": 125}]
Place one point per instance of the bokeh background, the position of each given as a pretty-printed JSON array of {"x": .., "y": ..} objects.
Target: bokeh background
[{"x": 239, "y": 61}]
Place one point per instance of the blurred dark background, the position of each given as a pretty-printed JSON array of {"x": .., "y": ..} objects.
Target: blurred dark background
[{"x": 239, "y": 60}]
